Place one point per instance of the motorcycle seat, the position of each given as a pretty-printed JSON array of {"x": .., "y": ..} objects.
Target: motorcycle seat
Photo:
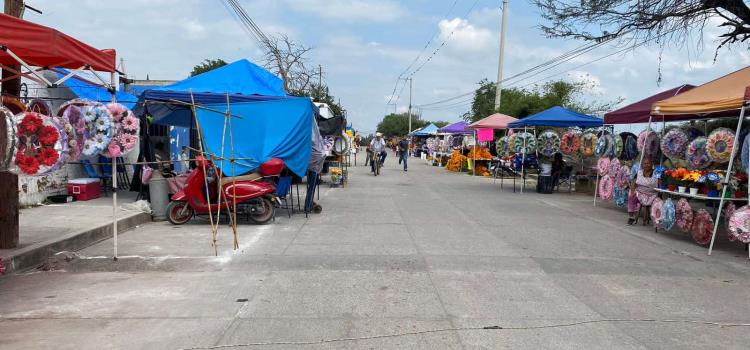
[{"x": 246, "y": 177}]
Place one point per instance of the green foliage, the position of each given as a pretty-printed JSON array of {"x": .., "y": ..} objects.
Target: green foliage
[
  {"x": 207, "y": 65},
  {"x": 521, "y": 103},
  {"x": 441, "y": 123},
  {"x": 398, "y": 124}
]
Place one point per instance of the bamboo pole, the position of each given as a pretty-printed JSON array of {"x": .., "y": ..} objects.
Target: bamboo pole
[
  {"x": 234, "y": 176},
  {"x": 205, "y": 176}
]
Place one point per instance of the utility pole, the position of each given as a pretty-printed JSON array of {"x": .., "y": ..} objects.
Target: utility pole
[
  {"x": 499, "y": 84},
  {"x": 410, "y": 79},
  {"x": 9, "y": 180},
  {"x": 320, "y": 81}
]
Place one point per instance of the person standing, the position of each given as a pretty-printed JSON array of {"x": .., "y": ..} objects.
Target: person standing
[{"x": 403, "y": 151}]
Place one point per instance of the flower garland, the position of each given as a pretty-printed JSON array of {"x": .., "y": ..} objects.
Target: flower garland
[
  {"x": 696, "y": 155},
  {"x": 675, "y": 143},
  {"x": 720, "y": 145},
  {"x": 606, "y": 187},
  {"x": 126, "y": 128},
  {"x": 524, "y": 139},
  {"x": 622, "y": 177},
  {"x": 614, "y": 167},
  {"x": 739, "y": 225},
  {"x": 548, "y": 143},
  {"x": 684, "y": 215},
  {"x": 745, "y": 154},
  {"x": 603, "y": 166},
  {"x": 703, "y": 227},
  {"x": 668, "y": 215},
  {"x": 570, "y": 143},
  {"x": 629, "y": 146},
  {"x": 38, "y": 144},
  {"x": 7, "y": 127},
  {"x": 589, "y": 142},
  {"x": 501, "y": 146},
  {"x": 656, "y": 212}
]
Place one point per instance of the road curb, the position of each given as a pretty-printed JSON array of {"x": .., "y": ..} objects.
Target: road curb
[{"x": 35, "y": 254}]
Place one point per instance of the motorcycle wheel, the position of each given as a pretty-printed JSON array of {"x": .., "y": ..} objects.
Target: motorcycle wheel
[
  {"x": 266, "y": 215},
  {"x": 179, "y": 212}
]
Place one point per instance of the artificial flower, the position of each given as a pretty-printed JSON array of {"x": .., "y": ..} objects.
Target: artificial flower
[
  {"x": 48, "y": 156},
  {"x": 128, "y": 141},
  {"x": 117, "y": 110},
  {"x": 114, "y": 149},
  {"x": 30, "y": 165},
  {"x": 102, "y": 124},
  {"x": 89, "y": 113},
  {"x": 30, "y": 123},
  {"x": 130, "y": 123},
  {"x": 49, "y": 135}
]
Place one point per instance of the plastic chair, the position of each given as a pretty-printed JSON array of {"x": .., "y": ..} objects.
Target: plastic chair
[
  {"x": 283, "y": 191},
  {"x": 92, "y": 173}
]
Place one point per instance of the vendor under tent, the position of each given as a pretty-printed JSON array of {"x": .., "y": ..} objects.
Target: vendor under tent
[
  {"x": 725, "y": 96},
  {"x": 426, "y": 131},
  {"x": 640, "y": 112}
]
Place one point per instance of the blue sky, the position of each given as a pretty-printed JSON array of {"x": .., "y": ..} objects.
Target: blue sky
[{"x": 363, "y": 45}]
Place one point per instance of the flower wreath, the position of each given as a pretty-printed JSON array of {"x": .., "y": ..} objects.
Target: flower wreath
[
  {"x": 703, "y": 227},
  {"x": 501, "y": 146},
  {"x": 70, "y": 117},
  {"x": 39, "y": 144},
  {"x": 603, "y": 166},
  {"x": 13, "y": 104},
  {"x": 570, "y": 143},
  {"x": 328, "y": 144},
  {"x": 656, "y": 212},
  {"x": 668, "y": 214},
  {"x": 528, "y": 139},
  {"x": 548, "y": 143},
  {"x": 634, "y": 171},
  {"x": 651, "y": 145},
  {"x": 619, "y": 143},
  {"x": 614, "y": 167},
  {"x": 629, "y": 146},
  {"x": 622, "y": 177},
  {"x": 674, "y": 143},
  {"x": 738, "y": 227},
  {"x": 606, "y": 187},
  {"x": 512, "y": 143},
  {"x": 588, "y": 144},
  {"x": 720, "y": 145},
  {"x": 125, "y": 131},
  {"x": 684, "y": 215},
  {"x": 696, "y": 155},
  {"x": 745, "y": 154},
  {"x": 727, "y": 213},
  {"x": 98, "y": 131},
  {"x": 620, "y": 196},
  {"x": 603, "y": 145},
  {"x": 39, "y": 106},
  {"x": 7, "y": 127}
]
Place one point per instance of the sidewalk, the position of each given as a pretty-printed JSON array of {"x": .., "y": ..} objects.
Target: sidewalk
[{"x": 52, "y": 228}]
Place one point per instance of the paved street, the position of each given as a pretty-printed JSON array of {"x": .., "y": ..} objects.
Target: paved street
[{"x": 397, "y": 253}]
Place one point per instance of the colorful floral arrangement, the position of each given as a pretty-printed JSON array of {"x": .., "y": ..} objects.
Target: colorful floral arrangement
[
  {"x": 480, "y": 152},
  {"x": 605, "y": 146},
  {"x": 38, "y": 145},
  {"x": 674, "y": 144},
  {"x": 622, "y": 177},
  {"x": 456, "y": 162},
  {"x": 684, "y": 215},
  {"x": 614, "y": 167},
  {"x": 651, "y": 144},
  {"x": 570, "y": 143},
  {"x": 524, "y": 143},
  {"x": 745, "y": 153},
  {"x": 548, "y": 143},
  {"x": 703, "y": 227},
  {"x": 656, "y": 213},
  {"x": 720, "y": 145},
  {"x": 619, "y": 145},
  {"x": 727, "y": 213},
  {"x": 696, "y": 155},
  {"x": 606, "y": 187},
  {"x": 98, "y": 131},
  {"x": 620, "y": 195},
  {"x": 739, "y": 225},
  {"x": 603, "y": 166},
  {"x": 8, "y": 127},
  {"x": 589, "y": 142},
  {"x": 70, "y": 117},
  {"x": 629, "y": 147},
  {"x": 501, "y": 146},
  {"x": 126, "y": 128},
  {"x": 668, "y": 214},
  {"x": 39, "y": 106}
]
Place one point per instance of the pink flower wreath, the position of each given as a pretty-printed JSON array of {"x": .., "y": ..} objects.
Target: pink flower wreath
[
  {"x": 606, "y": 187},
  {"x": 684, "y": 215}
]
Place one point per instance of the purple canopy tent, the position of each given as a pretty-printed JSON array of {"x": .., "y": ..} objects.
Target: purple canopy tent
[
  {"x": 640, "y": 112},
  {"x": 456, "y": 128}
]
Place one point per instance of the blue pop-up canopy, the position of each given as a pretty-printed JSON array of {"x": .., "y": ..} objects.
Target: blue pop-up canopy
[
  {"x": 427, "y": 130},
  {"x": 558, "y": 117},
  {"x": 261, "y": 130},
  {"x": 241, "y": 81}
]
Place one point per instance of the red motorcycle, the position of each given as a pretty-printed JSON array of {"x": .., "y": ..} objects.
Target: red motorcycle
[{"x": 253, "y": 193}]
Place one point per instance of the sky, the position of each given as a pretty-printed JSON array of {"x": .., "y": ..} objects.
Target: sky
[{"x": 363, "y": 46}]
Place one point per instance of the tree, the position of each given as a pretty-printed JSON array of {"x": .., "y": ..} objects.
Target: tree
[
  {"x": 642, "y": 21},
  {"x": 288, "y": 60},
  {"x": 398, "y": 124},
  {"x": 207, "y": 65},
  {"x": 440, "y": 123}
]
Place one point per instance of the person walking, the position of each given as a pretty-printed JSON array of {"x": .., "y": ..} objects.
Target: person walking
[{"x": 403, "y": 151}]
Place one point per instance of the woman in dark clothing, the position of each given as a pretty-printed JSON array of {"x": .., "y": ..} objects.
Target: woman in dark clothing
[{"x": 558, "y": 165}]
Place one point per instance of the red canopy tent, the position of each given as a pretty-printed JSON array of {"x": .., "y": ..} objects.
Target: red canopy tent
[
  {"x": 495, "y": 121},
  {"x": 640, "y": 112},
  {"x": 33, "y": 45}
]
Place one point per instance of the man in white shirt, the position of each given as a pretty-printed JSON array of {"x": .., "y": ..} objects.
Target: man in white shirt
[{"x": 377, "y": 146}]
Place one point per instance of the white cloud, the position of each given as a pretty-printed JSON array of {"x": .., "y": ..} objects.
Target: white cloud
[
  {"x": 352, "y": 10},
  {"x": 465, "y": 37}
]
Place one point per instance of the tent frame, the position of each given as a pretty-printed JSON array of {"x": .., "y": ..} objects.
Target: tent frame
[{"x": 35, "y": 74}]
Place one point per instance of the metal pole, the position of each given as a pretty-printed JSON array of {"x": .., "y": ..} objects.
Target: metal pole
[
  {"x": 409, "y": 147},
  {"x": 523, "y": 161},
  {"x": 726, "y": 178},
  {"x": 114, "y": 180},
  {"x": 499, "y": 84}
]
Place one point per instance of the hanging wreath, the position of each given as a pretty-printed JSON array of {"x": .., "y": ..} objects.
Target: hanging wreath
[
  {"x": 588, "y": 144},
  {"x": 675, "y": 143},
  {"x": 620, "y": 196},
  {"x": 39, "y": 106},
  {"x": 614, "y": 167},
  {"x": 606, "y": 187},
  {"x": 8, "y": 137},
  {"x": 668, "y": 214},
  {"x": 548, "y": 143},
  {"x": 98, "y": 131},
  {"x": 13, "y": 104},
  {"x": 738, "y": 226},
  {"x": 642, "y": 139},
  {"x": 603, "y": 145},
  {"x": 603, "y": 166},
  {"x": 745, "y": 154},
  {"x": 125, "y": 131},
  {"x": 328, "y": 144},
  {"x": 727, "y": 213},
  {"x": 696, "y": 155},
  {"x": 501, "y": 146},
  {"x": 720, "y": 145},
  {"x": 651, "y": 145},
  {"x": 656, "y": 212},
  {"x": 570, "y": 143},
  {"x": 340, "y": 145},
  {"x": 703, "y": 227},
  {"x": 39, "y": 144},
  {"x": 618, "y": 146},
  {"x": 622, "y": 177},
  {"x": 524, "y": 143},
  {"x": 629, "y": 146},
  {"x": 634, "y": 171},
  {"x": 684, "y": 215}
]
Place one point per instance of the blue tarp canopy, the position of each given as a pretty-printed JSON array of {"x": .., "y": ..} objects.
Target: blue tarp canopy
[
  {"x": 558, "y": 117},
  {"x": 427, "y": 130},
  {"x": 93, "y": 92},
  {"x": 242, "y": 81},
  {"x": 261, "y": 130}
]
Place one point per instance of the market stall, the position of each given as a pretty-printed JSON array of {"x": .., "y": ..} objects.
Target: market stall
[
  {"x": 484, "y": 130},
  {"x": 453, "y": 139}
]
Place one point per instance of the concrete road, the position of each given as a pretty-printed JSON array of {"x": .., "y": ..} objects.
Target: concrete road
[{"x": 398, "y": 253}]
